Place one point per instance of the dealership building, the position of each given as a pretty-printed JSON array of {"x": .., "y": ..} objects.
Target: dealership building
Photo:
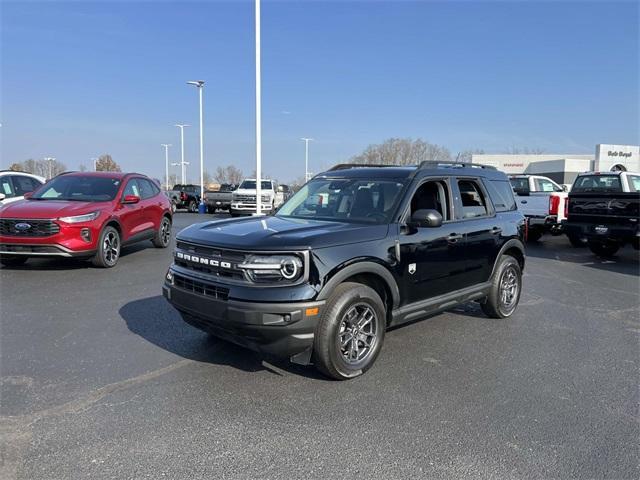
[{"x": 563, "y": 168}]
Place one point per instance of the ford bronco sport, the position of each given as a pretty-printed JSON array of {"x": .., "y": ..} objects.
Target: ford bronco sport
[{"x": 357, "y": 250}]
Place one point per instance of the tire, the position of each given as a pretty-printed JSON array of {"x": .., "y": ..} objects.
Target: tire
[
  {"x": 163, "y": 234},
  {"x": 13, "y": 261},
  {"x": 174, "y": 207},
  {"x": 506, "y": 287},
  {"x": 108, "y": 248},
  {"x": 534, "y": 235},
  {"x": 350, "y": 302},
  {"x": 577, "y": 242},
  {"x": 193, "y": 206},
  {"x": 604, "y": 249},
  {"x": 211, "y": 210}
]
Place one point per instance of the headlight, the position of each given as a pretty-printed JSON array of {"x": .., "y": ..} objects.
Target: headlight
[
  {"x": 87, "y": 217},
  {"x": 273, "y": 268}
]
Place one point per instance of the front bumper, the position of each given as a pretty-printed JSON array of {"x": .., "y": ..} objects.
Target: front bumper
[
  {"x": 590, "y": 231},
  {"x": 41, "y": 250},
  {"x": 68, "y": 242},
  {"x": 282, "y": 329},
  {"x": 248, "y": 208}
]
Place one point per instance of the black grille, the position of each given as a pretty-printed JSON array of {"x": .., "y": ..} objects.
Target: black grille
[
  {"x": 30, "y": 249},
  {"x": 227, "y": 261},
  {"x": 201, "y": 288},
  {"x": 28, "y": 227}
]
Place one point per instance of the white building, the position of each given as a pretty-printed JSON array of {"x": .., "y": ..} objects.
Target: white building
[{"x": 563, "y": 168}]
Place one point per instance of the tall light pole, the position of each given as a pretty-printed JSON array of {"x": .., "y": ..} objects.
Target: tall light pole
[
  {"x": 258, "y": 117},
  {"x": 200, "y": 85},
  {"x": 182, "y": 162},
  {"x": 306, "y": 157},
  {"x": 166, "y": 163},
  {"x": 50, "y": 160}
]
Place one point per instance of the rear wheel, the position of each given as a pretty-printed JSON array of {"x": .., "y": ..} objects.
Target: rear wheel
[
  {"x": 174, "y": 207},
  {"x": 193, "y": 206},
  {"x": 604, "y": 249},
  {"x": 506, "y": 287},
  {"x": 108, "y": 248},
  {"x": 577, "y": 241},
  {"x": 13, "y": 261},
  {"x": 163, "y": 235},
  {"x": 211, "y": 210},
  {"x": 350, "y": 333}
]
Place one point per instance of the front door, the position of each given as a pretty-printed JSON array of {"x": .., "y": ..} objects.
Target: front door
[
  {"x": 432, "y": 259},
  {"x": 132, "y": 215}
]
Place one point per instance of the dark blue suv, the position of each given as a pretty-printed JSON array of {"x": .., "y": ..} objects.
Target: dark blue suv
[{"x": 357, "y": 250}]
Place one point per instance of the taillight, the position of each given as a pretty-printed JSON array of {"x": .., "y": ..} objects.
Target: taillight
[
  {"x": 183, "y": 196},
  {"x": 554, "y": 203},
  {"x": 566, "y": 207}
]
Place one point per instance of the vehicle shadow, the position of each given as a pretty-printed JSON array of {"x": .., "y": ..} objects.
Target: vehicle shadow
[
  {"x": 626, "y": 261},
  {"x": 62, "y": 263},
  {"x": 159, "y": 323}
]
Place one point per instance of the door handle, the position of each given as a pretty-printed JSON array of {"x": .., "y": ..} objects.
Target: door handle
[
  {"x": 454, "y": 237},
  {"x": 496, "y": 230}
]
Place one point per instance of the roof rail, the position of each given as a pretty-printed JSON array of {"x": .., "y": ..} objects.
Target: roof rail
[
  {"x": 436, "y": 163},
  {"x": 344, "y": 166}
]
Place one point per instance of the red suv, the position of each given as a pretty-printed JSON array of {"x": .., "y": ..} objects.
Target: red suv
[{"x": 87, "y": 215}]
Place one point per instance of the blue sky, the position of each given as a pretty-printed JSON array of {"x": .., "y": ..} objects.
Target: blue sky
[{"x": 84, "y": 78}]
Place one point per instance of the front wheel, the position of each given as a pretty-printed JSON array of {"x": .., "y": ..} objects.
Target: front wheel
[
  {"x": 12, "y": 261},
  {"x": 193, "y": 206},
  {"x": 163, "y": 235},
  {"x": 108, "y": 248},
  {"x": 603, "y": 249},
  {"x": 350, "y": 333},
  {"x": 506, "y": 287}
]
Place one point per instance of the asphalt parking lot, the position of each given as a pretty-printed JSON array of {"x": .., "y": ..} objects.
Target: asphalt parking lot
[{"x": 101, "y": 379}]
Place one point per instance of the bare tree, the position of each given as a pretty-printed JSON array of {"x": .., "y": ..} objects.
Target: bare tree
[
  {"x": 82, "y": 167},
  {"x": 173, "y": 180},
  {"x": 43, "y": 168},
  {"x": 228, "y": 174},
  {"x": 297, "y": 184},
  {"x": 106, "y": 164},
  {"x": 467, "y": 155},
  {"x": 401, "y": 151}
]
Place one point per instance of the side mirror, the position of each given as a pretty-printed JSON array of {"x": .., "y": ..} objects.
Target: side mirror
[
  {"x": 426, "y": 219},
  {"x": 130, "y": 199},
  {"x": 2, "y": 196},
  {"x": 26, "y": 195},
  {"x": 565, "y": 188}
]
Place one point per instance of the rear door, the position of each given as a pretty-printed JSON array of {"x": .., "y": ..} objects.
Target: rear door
[
  {"x": 477, "y": 220},
  {"x": 151, "y": 202}
]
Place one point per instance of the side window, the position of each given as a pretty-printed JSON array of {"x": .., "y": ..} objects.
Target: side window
[
  {"x": 433, "y": 195},
  {"x": 23, "y": 184},
  {"x": 501, "y": 194},
  {"x": 6, "y": 187},
  {"x": 132, "y": 188},
  {"x": 146, "y": 188},
  {"x": 634, "y": 183},
  {"x": 544, "y": 185},
  {"x": 473, "y": 201}
]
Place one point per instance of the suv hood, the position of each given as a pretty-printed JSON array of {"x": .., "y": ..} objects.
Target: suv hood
[
  {"x": 275, "y": 233},
  {"x": 48, "y": 208}
]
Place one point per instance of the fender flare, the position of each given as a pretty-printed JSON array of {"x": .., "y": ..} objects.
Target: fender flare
[
  {"x": 512, "y": 243},
  {"x": 362, "y": 267}
]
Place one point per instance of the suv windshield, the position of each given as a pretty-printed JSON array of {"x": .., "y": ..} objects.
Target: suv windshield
[
  {"x": 251, "y": 185},
  {"x": 597, "y": 183},
  {"x": 345, "y": 200},
  {"x": 80, "y": 188}
]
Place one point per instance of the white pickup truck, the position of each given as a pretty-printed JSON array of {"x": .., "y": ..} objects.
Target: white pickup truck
[
  {"x": 542, "y": 201},
  {"x": 243, "y": 200}
]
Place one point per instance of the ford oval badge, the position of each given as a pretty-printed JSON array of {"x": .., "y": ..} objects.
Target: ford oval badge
[{"x": 22, "y": 226}]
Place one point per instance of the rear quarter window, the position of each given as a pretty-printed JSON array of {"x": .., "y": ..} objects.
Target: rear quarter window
[{"x": 501, "y": 193}]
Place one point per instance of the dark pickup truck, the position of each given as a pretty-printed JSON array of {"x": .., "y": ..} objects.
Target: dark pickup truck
[
  {"x": 185, "y": 196},
  {"x": 604, "y": 208},
  {"x": 355, "y": 251}
]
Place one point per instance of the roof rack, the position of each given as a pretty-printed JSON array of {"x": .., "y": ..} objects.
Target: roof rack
[
  {"x": 344, "y": 166},
  {"x": 450, "y": 164}
]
